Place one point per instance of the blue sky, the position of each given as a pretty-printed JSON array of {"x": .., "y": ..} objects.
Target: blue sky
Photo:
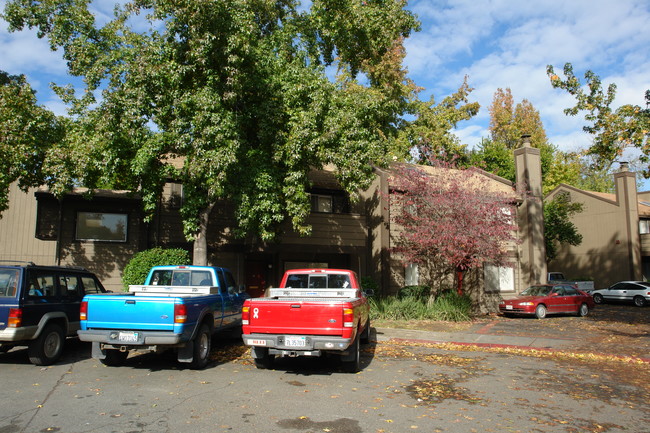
[{"x": 496, "y": 43}]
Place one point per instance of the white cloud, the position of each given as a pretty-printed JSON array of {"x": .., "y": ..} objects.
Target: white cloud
[{"x": 507, "y": 44}]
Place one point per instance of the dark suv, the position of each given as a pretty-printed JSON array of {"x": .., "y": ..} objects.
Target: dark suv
[{"x": 39, "y": 307}]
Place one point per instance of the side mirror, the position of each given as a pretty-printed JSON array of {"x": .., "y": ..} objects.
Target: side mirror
[{"x": 369, "y": 292}]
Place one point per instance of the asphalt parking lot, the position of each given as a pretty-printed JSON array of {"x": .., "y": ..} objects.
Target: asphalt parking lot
[{"x": 422, "y": 381}]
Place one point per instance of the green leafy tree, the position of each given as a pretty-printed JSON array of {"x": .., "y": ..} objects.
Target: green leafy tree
[
  {"x": 30, "y": 138},
  {"x": 232, "y": 98},
  {"x": 613, "y": 130},
  {"x": 430, "y": 134},
  {"x": 494, "y": 157},
  {"x": 558, "y": 228}
]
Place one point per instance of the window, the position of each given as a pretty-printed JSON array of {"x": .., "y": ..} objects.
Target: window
[
  {"x": 411, "y": 277},
  {"x": 644, "y": 227},
  {"x": 70, "y": 287},
  {"x": 90, "y": 285},
  {"x": 330, "y": 201},
  {"x": 101, "y": 226},
  {"x": 321, "y": 203}
]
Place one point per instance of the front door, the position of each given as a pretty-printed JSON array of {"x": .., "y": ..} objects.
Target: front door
[{"x": 256, "y": 278}]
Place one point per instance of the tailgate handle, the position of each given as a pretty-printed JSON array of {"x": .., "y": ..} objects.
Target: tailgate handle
[
  {"x": 295, "y": 306},
  {"x": 130, "y": 302}
]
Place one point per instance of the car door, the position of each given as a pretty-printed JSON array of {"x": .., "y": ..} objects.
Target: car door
[
  {"x": 573, "y": 299},
  {"x": 71, "y": 293},
  {"x": 560, "y": 302},
  {"x": 616, "y": 292}
]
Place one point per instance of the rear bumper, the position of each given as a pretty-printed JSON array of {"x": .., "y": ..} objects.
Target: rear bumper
[
  {"x": 142, "y": 338},
  {"x": 311, "y": 342}
]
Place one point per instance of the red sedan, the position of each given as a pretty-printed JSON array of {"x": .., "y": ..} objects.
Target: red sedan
[{"x": 546, "y": 299}]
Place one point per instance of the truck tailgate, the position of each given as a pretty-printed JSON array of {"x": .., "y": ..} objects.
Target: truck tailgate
[
  {"x": 312, "y": 317},
  {"x": 130, "y": 312}
]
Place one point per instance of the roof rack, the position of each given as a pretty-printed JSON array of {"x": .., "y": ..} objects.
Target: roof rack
[{"x": 21, "y": 262}]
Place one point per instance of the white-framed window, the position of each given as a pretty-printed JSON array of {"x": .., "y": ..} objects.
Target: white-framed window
[
  {"x": 411, "y": 275},
  {"x": 101, "y": 226},
  {"x": 499, "y": 278},
  {"x": 644, "y": 227}
]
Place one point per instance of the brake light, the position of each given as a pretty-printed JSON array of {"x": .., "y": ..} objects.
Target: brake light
[
  {"x": 180, "y": 313},
  {"x": 83, "y": 311},
  {"x": 245, "y": 315},
  {"x": 15, "y": 318},
  {"x": 348, "y": 318}
]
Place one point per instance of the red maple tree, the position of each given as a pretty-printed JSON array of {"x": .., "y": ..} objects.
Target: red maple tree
[{"x": 449, "y": 221}]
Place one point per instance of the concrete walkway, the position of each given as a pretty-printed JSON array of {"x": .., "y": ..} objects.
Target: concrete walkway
[{"x": 476, "y": 337}]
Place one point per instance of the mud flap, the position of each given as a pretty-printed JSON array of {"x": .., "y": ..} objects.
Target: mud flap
[
  {"x": 97, "y": 352},
  {"x": 186, "y": 353}
]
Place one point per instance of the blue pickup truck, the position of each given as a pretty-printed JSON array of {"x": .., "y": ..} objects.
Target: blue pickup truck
[{"x": 178, "y": 307}]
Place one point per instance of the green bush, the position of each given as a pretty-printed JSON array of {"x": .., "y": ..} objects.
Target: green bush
[
  {"x": 138, "y": 267},
  {"x": 367, "y": 283},
  {"x": 417, "y": 292},
  {"x": 448, "y": 307}
]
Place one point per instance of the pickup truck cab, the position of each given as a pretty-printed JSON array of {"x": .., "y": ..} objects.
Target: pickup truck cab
[
  {"x": 313, "y": 312},
  {"x": 178, "y": 307},
  {"x": 39, "y": 307}
]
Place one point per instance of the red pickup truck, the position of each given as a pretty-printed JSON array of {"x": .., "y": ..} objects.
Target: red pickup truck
[{"x": 313, "y": 312}]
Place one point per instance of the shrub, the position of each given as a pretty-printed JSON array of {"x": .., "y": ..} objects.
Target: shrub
[
  {"x": 135, "y": 272},
  {"x": 367, "y": 283},
  {"x": 418, "y": 292},
  {"x": 447, "y": 307}
]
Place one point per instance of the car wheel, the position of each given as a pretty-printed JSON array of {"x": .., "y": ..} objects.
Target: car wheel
[
  {"x": 583, "y": 310},
  {"x": 114, "y": 357},
  {"x": 352, "y": 362},
  {"x": 262, "y": 359},
  {"x": 598, "y": 298},
  {"x": 540, "y": 311},
  {"x": 639, "y": 301},
  {"x": 202, "y": 346},
  {"x": 48, "y": 347}
]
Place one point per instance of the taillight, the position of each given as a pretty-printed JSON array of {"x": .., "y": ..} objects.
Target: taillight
[
  {"x": 83, "y": 311},
  {"x": 348, "y": 318},
  {"x": 245, "y": 315},
  {"x": 180, "y": 313},
  {"x": 15, "y": 318}
]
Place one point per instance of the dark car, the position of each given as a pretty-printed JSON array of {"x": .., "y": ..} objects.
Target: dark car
[
  {"x": 637, "y": 292},
  {"x": 39, "y": 307},
  {"x": 544, "y": 299}
]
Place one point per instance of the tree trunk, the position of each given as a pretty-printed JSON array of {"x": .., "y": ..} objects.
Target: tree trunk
[
  {"x": 459, "y": 279},
  {"x": 200, "y": 256}
]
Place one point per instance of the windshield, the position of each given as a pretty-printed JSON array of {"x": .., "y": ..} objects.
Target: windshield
[
  {"x": 8, "y": 282},
  {"x": 537, "y": 291}
]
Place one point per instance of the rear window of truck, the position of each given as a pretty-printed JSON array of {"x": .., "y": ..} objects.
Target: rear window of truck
[
  {"x": 181, "y": 278},
  {"x": 320, "y": 281}
]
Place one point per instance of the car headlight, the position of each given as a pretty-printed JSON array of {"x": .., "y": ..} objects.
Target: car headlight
[{"x": 527, "y": 303}]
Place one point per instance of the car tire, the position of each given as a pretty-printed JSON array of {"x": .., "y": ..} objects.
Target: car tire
[
  {"x": 598, "y": 298},
  {"x": 639, "y": 301},
  {"x": 114, "y": 357},
  {"x": 365, "y": 336},
  {"x": 353, "y": 365},
  {"x": 262, "y": 359},
  {"x": 202, "y": 347},
  {"x": 48, "y": 347},
  {"x": 583, "y": 310},
  {"x": 540, "y": 311}
]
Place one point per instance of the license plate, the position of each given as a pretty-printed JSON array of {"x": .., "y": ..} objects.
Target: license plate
[
  {"x": 295, "y": 341},
  {"x": 508, "y": 307},
  {"x": 128, "y": 337},
  {"x": 257, "y": 342}
]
